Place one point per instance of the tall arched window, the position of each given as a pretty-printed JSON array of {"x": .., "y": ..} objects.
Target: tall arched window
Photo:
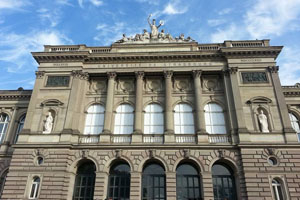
[
  {"x": 277, "y": 189},
  {"x": 124, "y": 119},
  {"x": 35, "y": 186},
  {"x": 85, "y": 182},
  {"x": 223, "y": 182},
  {"x": 153, "y": 119},
  {"x": 119, "y": 182},
  {"x": 184, "y": 119},
  {"x": 153, "y": 182},
  {"x": 4, "y": 120},
  {"x": 94, "y": 119},
  {"x": 20, "y": 127},
  {"x": 187, "y": 182},
  {"x": 295, "y": 124},
  {"x": 2, "y": 181},
  {"x": 214, "y": 119}
]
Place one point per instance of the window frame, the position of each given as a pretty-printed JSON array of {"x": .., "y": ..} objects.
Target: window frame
[
  {"x": 36, "y": 186},
  {"x": 92, "y": 115},
  {"x": 20, "y": 127},
  {"x": 119, "y": 125},
  {"x": 182, "y": 114},
  {"x": 282, "y": 180},
  {"x": 209, "y": 113},
  {"x": 293, "y": 122},
  {"x": 151, "y": 115},
  {"x": 5, "y": 125}
]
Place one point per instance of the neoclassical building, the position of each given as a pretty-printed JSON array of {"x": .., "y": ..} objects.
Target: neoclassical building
[{"x": 153, "y": 118}]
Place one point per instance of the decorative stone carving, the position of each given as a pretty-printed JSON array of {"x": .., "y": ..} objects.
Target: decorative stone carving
[
  {"x": 80, "y": 74},
  {"x": 197, "y": 73},
  {"x": 48, "y": 125},
  {"x": 153, "y": 85},
  {"x": 139, "y": 75},
  {"x": 111, "y": 75},
  {"x": 97, "y": 86},
  {"x": 182, "y": 84},
  {"x": 212, "y": 83},
  {"x": 168, "y": 74},
  {"x": 154, "y": 36},
  {"x": 254, "y": 77},
  {"x": 263, "y": 121},
  {"x": 125, "y": 86},
  {"x": 186, "y": 153},
  {"x": 273, "y": 69},
  {"x": 39, "y": 74}
]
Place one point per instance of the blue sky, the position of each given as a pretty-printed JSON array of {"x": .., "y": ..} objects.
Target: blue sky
[{"x": 27, "y": 25}]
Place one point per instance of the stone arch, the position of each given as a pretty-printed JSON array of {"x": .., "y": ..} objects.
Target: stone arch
[
  {"x": 153, "y": 102},
  {"x": 183, "y": 102},
  {"x": 155, "y": 158},
  {"x": 112, "y": 161},
  {"x": 9, "y": 114},
  {"x": 216, "y": 101},
  {"x": 191, "y": 159},
  {"x": 92, "y": 103},
  {"x": 123, "y": 102},
  {"x": 74, "y": 165},
  {"x": 226, "y": 160}
]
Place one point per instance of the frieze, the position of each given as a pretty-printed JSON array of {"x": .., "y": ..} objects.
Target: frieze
[
  {"x": 254, "y": 77},
  {"x": 182, "y": 84},
  {"x": 58, "y": 81},
  {"x": 124, "y": 86},
  {"x": 154, "y": 85},
  {"x": 97, "y": 86}
]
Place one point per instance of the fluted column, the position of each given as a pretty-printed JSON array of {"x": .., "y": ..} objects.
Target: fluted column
[
  {"x": 169, "y": 125},
  {"x": 138, "y": 102},
  {"x": 200, "y": 122},
  {"x": 109, "y": 102}
]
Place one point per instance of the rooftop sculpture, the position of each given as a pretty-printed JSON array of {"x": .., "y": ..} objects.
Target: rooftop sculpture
[{"x": 154, "y": 36}]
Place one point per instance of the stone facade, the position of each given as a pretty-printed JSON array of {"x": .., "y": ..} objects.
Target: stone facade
[{"x": 240, "y": 76}]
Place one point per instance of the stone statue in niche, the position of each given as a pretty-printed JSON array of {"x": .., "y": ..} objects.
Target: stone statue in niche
[
  {"x": 48, "y": 123},
  {"x": 263, "y": 121}
]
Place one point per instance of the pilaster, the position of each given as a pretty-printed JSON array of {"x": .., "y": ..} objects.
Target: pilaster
[
  {"x": 109, "y": 102},
  {"x": 9, "y": 132},
  {"x": 169, "y": 125},
  {"x": 135, "y": 185}
]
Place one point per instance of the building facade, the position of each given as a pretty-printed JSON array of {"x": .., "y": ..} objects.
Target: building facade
[{"x": 153, "y": 117}]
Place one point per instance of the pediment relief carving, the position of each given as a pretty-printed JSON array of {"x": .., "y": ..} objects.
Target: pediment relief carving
[
  {"x": 154, "y": 85},
  {"x": 182, "y": 84},
  {"x": 259, "y": 99},
  {"x": 212, "y": 83},
  {"x": 97, "y": 86},
  {"x": 52, "y": 102},
  {"x": 125, "y": 86}
]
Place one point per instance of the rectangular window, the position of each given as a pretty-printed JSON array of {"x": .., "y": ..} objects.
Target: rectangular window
[{"x": 58, "y": 81}]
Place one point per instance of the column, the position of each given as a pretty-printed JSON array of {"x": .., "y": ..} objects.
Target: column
[
  {"x": 230, "y": 107},
  {"x": 169, "y": 125},
  {"x": 283, "y": 110},
  {"x": 240, "y": 128},
  {"x": 9, "y": 132},
  {"x": 138, "y": 102},
  {"x": 109, "y": 102},
  {"x": 200, "y": 122}
]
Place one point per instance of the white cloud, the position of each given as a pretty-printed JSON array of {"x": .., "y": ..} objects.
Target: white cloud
[
  {"x": 151, "y": 2},
  {"x": 12, "y": 4},
  {"x": 215, "y": 22},
  {"x": 272, "y": 17},
  {"x": 94, "y": 2},
  {"x": 228, "y": 33},
  {"x": 64, "y": 2},
  {"x": 175, "y": 7},
  {"x": 15, "y": 49},
  {"x": 289, "y": 62},
  {"x": 52, "y": 16},
  {"x": 225, "y": 11}
]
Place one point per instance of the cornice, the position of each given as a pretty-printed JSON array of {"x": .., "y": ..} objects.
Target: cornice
[
  {"x": 10, "y": 95},
  {"x": 272, "y": 51}
]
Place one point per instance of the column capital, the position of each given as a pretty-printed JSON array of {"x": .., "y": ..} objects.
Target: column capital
[
  {"x": 231, "y": 70},
  {"x": 80, "y": 74},
  {"x": 39, "y": 74},
  {"x": 139, "y": 74},
  {"x": 111, "y": 75},
  {"x": 168, "y": 74},
  {"x": 273, "y": 69},
  {"x": 197, "y": 73}
]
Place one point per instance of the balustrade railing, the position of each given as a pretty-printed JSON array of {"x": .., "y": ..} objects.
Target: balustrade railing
[
  {"x": 87, "y": 139},
  {"x": 185, "y": 138},
  {"x": 121, "y": 138},
  {"x": 219, "y": 139},
  {"x": 153, "y": 138}
]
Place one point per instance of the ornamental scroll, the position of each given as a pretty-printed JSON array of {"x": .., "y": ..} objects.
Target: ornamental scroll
[{"x": 254, "y": 77}]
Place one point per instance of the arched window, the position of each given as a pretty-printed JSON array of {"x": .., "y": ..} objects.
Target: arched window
[
  {"x": 94, "y": 119},
  {"x": 295, "y": 124},
  {"x": 223, "y": 182},
  {"x": 20, "y": 127},
  {"x": 184, "y": 119},
  {"x": 124, "y": 119},
  {"x": 4, "y": 119},
  {"x": 35, "y": 186},
  {"x": 85, "y": 182},
  {"x": 153, "y": 119},
  {"x": 153, "y": 182},
  {"x": 187, "y": 182},
  {"x": 277, "y": 189},
  {"x": 2, "y": 181},
  {"x": 119, "y": 182},
  {"x": 214, "y": 119}
]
